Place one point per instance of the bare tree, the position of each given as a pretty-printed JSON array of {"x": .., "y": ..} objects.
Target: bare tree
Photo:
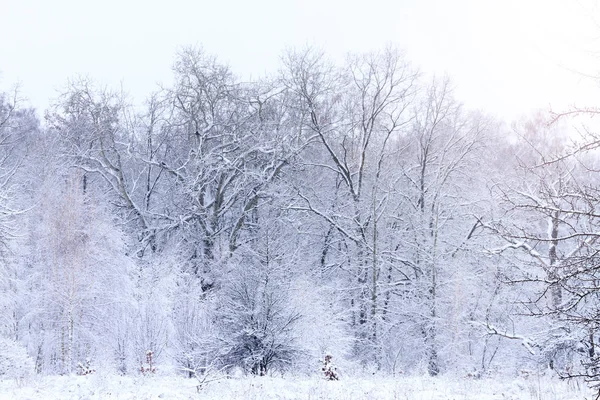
[
  {"x": 19, "y": 127},
  {"x": 549, "y": 241},
  {"x": 437, "y": 206},
  {"x": 356, "y": 113}
]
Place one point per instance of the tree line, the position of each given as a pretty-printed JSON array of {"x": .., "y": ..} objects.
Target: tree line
[{"x": 355, "y": 209}]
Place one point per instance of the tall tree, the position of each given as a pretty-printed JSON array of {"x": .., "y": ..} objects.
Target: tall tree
[
  {"x": 355, "y": 113},
  {"x": 436, "y": 215},
  {"x": 19, "y": 127}
]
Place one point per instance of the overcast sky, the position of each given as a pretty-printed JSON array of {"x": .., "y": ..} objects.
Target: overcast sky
[{"x": 506, "y": 57}]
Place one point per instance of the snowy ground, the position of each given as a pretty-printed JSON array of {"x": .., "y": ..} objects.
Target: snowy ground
[{"x": 98, "y": 386}]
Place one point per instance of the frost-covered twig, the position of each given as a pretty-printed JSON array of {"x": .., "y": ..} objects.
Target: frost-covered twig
[
  {"x": 206, "y": 376},
  {"x": 492, "y": 330}
]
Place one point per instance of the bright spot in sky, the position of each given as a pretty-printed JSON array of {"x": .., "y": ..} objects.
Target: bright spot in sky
[{"x": 505, "y": 57}]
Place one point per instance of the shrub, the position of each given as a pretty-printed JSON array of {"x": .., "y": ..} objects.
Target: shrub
[{"x": 14, "y": 361}]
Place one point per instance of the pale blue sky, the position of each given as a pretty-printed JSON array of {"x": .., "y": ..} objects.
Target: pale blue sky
[{"x": 506, "y": 57}]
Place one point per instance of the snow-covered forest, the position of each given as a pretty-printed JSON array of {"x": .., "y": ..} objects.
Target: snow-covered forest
[{"x": 248, "y": 228}]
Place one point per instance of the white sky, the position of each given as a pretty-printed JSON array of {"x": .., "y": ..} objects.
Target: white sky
[{"x": 505, "y": 57}]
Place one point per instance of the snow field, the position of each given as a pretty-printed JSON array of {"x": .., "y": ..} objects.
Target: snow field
[{"x": 99, "y": 386}]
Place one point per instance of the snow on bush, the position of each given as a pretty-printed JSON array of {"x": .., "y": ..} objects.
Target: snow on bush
[
  {"x": 148, "y": 367},
  {"x": 329, "y": 369},
  {"x": 14, "y": 361}
]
